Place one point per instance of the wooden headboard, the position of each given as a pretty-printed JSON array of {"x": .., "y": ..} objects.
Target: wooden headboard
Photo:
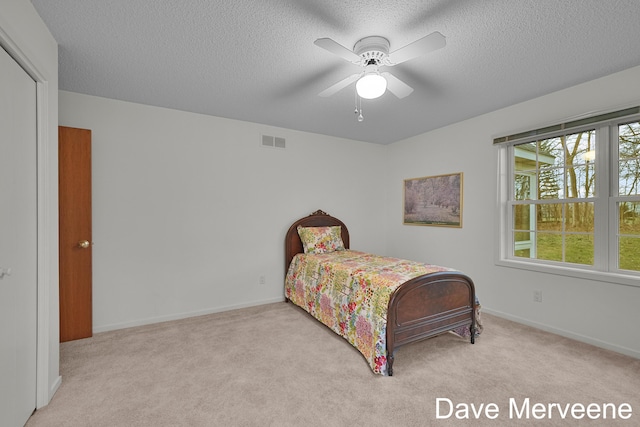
[{"x": 292, "y": 242}]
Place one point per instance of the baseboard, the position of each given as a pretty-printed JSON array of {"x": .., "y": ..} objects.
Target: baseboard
[
  {"x": 178, "y": 316},
  {"x": 54, "y": 387},
  {"x": 567, "y": 334}
]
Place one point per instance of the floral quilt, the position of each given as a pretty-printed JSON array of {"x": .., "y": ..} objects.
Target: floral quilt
[{"x": 349, "y": 292}]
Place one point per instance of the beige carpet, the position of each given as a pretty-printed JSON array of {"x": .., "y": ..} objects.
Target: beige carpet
[{"x": 274, "y": 365}]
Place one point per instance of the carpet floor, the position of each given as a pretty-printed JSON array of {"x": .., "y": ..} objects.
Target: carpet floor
[{"x": 274, "y": 365}]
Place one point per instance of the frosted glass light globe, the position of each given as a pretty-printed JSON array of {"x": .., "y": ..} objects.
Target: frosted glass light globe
[{"x": 371, "y": 86}]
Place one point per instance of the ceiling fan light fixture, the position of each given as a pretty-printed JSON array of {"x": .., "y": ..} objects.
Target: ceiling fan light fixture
[
  {"x": 371, "y": 85},
  {"x": 371, "y": 53}
]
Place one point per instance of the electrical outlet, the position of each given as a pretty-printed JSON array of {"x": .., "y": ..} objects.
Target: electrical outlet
[
  {"x": 262, "y": 280},
  {"x": 537, "y": 296}
]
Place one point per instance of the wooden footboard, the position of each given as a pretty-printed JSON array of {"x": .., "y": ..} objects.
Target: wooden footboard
[{"x": 427, "y": 306}]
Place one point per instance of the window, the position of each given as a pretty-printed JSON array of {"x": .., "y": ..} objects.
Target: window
[
  {"x": 627, "y": 202},
  {"x": 570, "y": 196}
]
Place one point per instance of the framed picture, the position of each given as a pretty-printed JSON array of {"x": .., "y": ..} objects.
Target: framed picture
[{"x": 434, "y": 200}]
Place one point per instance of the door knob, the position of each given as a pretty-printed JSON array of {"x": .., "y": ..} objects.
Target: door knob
[{"x": 84, "y": 244}]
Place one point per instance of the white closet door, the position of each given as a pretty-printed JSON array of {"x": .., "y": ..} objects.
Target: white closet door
[{"x": 18, "y": 243}]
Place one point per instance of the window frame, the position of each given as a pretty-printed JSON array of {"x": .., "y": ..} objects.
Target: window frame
[{"x": 605, "y": 200}]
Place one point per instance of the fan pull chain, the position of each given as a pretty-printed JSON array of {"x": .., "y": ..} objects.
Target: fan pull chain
[{"x": 358, "y": 107}]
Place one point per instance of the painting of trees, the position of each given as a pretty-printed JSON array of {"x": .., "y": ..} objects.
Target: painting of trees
[{"x": 434, "y": 200}]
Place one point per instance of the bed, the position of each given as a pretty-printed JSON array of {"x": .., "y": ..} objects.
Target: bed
[{"x": 378, "y": 304}]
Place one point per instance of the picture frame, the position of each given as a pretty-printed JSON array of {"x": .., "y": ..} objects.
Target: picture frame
[{"x": 433, "y": 200}]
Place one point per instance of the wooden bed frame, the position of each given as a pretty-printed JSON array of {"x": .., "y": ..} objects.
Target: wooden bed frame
[{"x": 420, "y": 308}]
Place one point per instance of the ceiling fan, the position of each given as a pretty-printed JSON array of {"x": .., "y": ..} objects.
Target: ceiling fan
[{"x": 371, "y": 53}]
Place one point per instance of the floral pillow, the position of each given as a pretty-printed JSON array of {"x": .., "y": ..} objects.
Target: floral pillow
[{"x": 317, "y": 240}]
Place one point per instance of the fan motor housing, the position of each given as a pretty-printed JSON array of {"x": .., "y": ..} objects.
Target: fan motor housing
[{"x": 372, "y": 49}]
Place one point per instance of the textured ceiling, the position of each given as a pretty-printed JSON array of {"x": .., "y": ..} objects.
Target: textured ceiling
[{"x": 256, "y": 61}]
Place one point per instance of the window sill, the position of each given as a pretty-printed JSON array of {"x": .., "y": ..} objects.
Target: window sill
[{"x": 600, "y": 276}]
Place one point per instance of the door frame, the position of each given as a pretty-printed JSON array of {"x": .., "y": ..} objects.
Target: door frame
[{"x": 47, "y": 344}]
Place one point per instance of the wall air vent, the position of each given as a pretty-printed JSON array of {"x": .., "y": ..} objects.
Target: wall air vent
[{"x": 273, "y": 141}]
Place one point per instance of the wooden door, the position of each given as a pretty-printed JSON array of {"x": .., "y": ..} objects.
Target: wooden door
[
  {"x": 74, "y": 158},
  {"x": 18, "y": 243}
]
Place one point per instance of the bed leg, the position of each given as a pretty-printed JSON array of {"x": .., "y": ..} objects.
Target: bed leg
[
  {"x": 472, "y": 329},
  {"x": 390, "y": 364}
]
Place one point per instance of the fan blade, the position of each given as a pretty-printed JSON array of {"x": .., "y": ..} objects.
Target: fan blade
[
  {"x": 338, "y": 49},
  {"x": 339, "y": 86},
  {"x": 433, "y": 41},
  {"x": 397, "y": 86}
]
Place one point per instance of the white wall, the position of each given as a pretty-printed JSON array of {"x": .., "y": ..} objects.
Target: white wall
[
  {"x": 27, "y": 39},
  {"x": 190, "y": 210},
  {"x": 601, "y": 313}
]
